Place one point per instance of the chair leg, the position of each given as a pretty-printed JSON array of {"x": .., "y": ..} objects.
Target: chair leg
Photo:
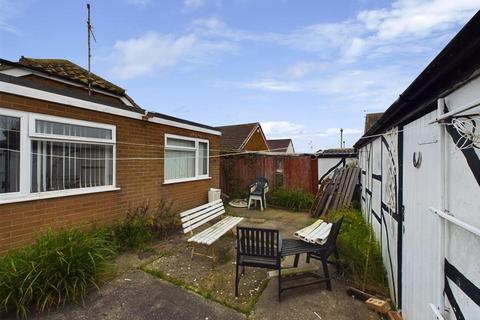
[
  {"x": 248, "y": 201},
  {"x": 236, "y": 279},
  {"x": 295, "y": 262},
  {"x": 280, "y": 284},
  {"x": 308, "y": 258},
  {"x": 337, "y": 261},
  {"x": 327, "y": 275}
]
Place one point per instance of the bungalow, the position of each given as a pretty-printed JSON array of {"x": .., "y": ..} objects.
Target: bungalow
[
  {"x": 281, "y": 145},
  {"x": 243, "y": 137},
  {"x": 74, "y": 151}
]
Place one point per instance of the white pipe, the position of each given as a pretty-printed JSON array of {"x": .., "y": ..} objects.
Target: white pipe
[
  {"x": 456, "y": 111},
  {"x": 456, "y": 221},
  {"x": 442, "y": 239}
]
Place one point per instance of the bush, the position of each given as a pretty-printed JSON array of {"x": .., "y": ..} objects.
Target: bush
[
  {"x": 58, "y": 268},
  {"x": 142, "y": 224},
  {"x": 355, "y": 243},
  {"x": 291, "y": 199}
]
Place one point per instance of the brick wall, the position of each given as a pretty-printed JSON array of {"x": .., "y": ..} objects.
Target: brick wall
[{"x": 139, "y": 180}]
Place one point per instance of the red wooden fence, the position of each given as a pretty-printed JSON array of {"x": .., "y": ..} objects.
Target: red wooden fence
[{"x": 293, "y": 172}]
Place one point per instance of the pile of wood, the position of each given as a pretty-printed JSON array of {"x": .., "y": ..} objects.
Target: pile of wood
[{"x": 337, "y": 192}]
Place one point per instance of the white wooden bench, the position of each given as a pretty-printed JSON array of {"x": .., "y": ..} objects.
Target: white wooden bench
[{"x": 196, "y": 217}]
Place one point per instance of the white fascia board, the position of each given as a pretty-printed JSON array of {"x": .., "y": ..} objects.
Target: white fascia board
[{"x": 84, "y": 104}]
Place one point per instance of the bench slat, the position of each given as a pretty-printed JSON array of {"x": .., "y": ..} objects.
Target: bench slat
[
  {"x": 205, "y": 216},
  {"x": 216, "y": 228},
  {"x": 186, "y": 213},
  {"x": 200, "y": 212},
  {"x": 193, "y": 226},
  {"x": 210, "y": 235},
  {"x": 217, "y": 235},
  {"x": 199, "y": 236}
]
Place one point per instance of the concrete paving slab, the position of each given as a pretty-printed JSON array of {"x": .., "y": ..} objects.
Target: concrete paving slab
[{"x": 138, "y": 295}]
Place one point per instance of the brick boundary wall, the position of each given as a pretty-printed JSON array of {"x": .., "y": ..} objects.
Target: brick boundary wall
[{"x": 138, "y": 180}]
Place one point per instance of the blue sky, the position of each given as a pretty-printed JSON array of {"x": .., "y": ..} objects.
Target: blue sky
[{"x": 304, "y": 69}]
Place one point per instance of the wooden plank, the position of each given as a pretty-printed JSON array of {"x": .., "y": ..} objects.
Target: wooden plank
[
  {"x": 198, "y": 224},
  {"x": 325, "y": 199},
  {"x": 185, "y": 213},
  {"x": 355, "y": 182},
  {"x": 202, "y": 217},
  {"x": 200, "y": 212},
  {"x": 344, "y": 189},
  {"x": 215, "y": 234},
  {"x": 336, "y": 194}
]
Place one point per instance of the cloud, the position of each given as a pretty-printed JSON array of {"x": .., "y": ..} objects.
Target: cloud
[
  {"x": 273, "y": 85},
  {"x": 138, "y": 3},
  {"x": 192, "y": 5},
  {"x": 302, "y": 69},
  {"x": 153, "y": 52},
  {"x": 8, "y": 11},
  {"x": 281, "y": 129},
  {"x": 415, "y": 18}
]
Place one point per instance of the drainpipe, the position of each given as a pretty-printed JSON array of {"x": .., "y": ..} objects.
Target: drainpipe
[{"x": 442, "y": 204}]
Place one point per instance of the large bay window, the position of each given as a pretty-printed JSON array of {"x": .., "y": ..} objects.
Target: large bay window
[
  {"x": 45, "y": 156},
  {"x": 186, "y": 159}
]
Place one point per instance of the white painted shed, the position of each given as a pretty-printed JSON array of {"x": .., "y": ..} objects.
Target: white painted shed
[{"x": 421, "y": 185}]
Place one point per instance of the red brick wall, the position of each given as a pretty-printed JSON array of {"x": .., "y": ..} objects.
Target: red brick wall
[{"x": 139, "y": 180}]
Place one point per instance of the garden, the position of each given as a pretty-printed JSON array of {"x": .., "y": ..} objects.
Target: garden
[{"x": 62, "y": 267}]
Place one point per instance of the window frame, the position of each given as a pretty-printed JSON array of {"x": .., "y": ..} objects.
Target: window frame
[
  {"x": 28, "y": 134},
  {"x": 180, "y": 148}
]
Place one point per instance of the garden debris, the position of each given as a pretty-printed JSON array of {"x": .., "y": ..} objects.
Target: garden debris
[
  {"x": 378, "y": 305},
  {"x": 394, "y": 315},
  {"x": 335, "y": 193},
  {"x": 358, "y": 294}
]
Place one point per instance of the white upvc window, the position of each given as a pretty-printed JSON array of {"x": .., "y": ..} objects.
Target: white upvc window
[
  {"x": 45, "y": 156},
  {"x": 186, "y": 159}
]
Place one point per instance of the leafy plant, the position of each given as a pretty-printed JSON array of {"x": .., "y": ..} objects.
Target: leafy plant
[
  {"x": 134, "y": 232},
  {"x": 142, "y": 224},
  {"x": 291, "y": 199},
  {"x": 359, "y": 251},
  {"x": 59, "y": 267}
]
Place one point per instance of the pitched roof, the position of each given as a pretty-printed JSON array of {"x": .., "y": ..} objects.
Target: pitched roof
[
  {"x": 279, "y": 145},
  {"x": 336, "y": 152},
  {"x": 370, "y": 119},
  {"x": 457, "y": 63},
  {"x": 68, "y": 70},
  {"x": 235, "y": 136}
]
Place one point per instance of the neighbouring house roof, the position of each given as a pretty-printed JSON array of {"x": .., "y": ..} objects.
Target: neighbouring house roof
[
  {"x": 68, "y": 72},
  {"x": 279, "y": 145},
  {"x": 457, "y": 63},
  {"x": 336, "y": 152},
  {"x": 235, "y": 137},
  {"x": 370, "y": 119},
  {"x": 66, "y": 69}
]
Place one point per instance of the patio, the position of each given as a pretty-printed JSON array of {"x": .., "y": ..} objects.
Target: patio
[{"x": 161, "y": 283}]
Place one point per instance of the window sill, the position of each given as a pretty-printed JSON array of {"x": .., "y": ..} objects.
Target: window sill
[
  {"x": 186, "y": 180},
  {"x": 56, "y": 194}
]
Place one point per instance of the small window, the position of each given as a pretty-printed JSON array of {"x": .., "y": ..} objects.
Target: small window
[
  {"x": 185, "y": 159},
  {"x": 9, "y": 154}
]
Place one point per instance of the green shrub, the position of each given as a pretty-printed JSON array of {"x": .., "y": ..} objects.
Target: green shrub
[
  {"x": 142, "y": 224},
  {"x": 58, "y": 268},
  {"x": 291, "y": 199},
  {"x": 356, "y": 244}
]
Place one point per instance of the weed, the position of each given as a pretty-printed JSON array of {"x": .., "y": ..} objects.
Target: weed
[
  {"x": 359, "y": 252},
  {"x": 58, "y": 268},
  {"x": 291, "y": 199}
]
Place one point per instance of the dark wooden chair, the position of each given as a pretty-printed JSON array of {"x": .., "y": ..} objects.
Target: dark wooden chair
[
  {"x": 325, "y": 251},
  {"x": 258, "y": 248}
]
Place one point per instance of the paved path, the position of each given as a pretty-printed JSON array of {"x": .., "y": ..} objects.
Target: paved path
[{"x": 144, "y": 297}]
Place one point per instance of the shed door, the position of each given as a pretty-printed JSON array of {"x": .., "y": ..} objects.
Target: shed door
[{"x": 421, "y": 285}]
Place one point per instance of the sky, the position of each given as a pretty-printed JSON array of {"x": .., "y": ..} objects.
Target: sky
[{"x": 303, "y": 69}]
